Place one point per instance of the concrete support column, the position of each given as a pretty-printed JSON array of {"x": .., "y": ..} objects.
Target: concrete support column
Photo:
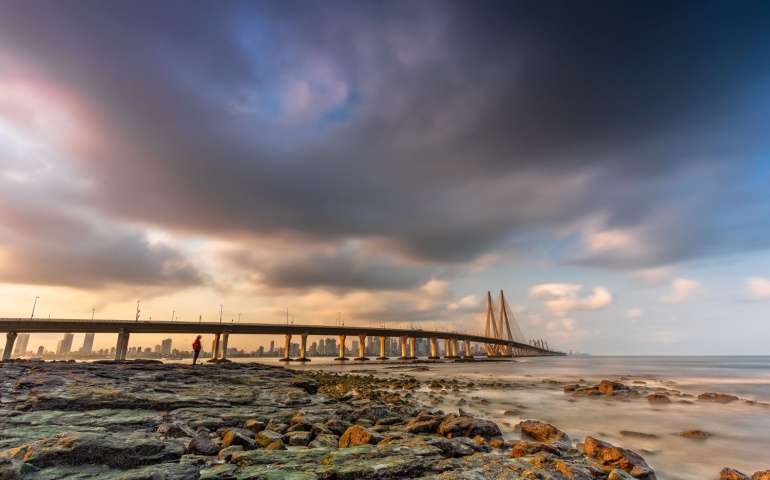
[
  {"x": 403, "y": 348},
  {"x": 225, "y": 338},
  {"x": 361, "y": 348},
  {"x": 303, "y": 347},
  {"x": 10, "y": 339},
  {"x": 215, "y": 348},
  {"x": 382, "y": 349},
  {"x": 413, "y": 355},
  {"x": 342, "y": 349},
  {"x": 447, "y": 349},
  {"x": 433, "y": 348},
  {"x": 286, "y": 350},
  {"x": 124, "y": 350},
  {"x": 468, "y": 348},
  {"x": 454, "y": 348},
  {"x": 119, "y": 345}
]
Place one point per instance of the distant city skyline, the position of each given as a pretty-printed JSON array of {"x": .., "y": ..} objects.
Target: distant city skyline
[{"x": 607, "y": 164}]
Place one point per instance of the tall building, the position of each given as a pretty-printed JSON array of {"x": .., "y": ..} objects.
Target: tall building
[
  {"x": 88, "y": 343},
  {"x": 272, "y": 346},
  {"x": 21, "y": 344},
  {"x": 64, "y": 345},
  {"x": 165, "y": 347}
]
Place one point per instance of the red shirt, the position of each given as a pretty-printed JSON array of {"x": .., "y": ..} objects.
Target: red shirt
[{"x": 197, "y": 344}]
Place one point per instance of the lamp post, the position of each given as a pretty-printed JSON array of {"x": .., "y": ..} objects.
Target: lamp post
[
  {"x": 33, "y": 308},
  {"x": 220, "y": 314},
  {"x": 93, "y": 311},
  {"x": 137, "y": 310},
  {"x": 172, "y": 315},
  {"x": 287, "y": 315}
]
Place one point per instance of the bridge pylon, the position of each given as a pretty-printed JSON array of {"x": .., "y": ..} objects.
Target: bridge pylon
[{"x": 499, "y": 320}]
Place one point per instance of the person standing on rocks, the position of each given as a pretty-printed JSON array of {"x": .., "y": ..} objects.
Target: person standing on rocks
[{"x": 196, "y": 349}]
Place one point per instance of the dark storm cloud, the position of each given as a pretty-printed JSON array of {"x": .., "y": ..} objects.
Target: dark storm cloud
[{"x": 398, "y": 122}]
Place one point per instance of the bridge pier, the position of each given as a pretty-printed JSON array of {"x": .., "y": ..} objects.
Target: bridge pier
[
  {"x": 447, "y": 349},
  {"x": 468, "y": 354},
  {"x": 342, "y": 357},
  {"x": 382, "y": 348},
  {"x": 361, "y": 348},
  {"x": 10, "y": 339},
  {"x": 412, "y": 351},
  {"x": 225, "y": 338},
  {"x": 286, "y": 350},
  {"x": 121, "y": 348},
  {"x": 453, "y": 345},
  {"x": 215, "y": 348},
  {"x": 403, "y": 356},
  {"x": 433, "y": 348},
  {"x": 303, "y": 348}
]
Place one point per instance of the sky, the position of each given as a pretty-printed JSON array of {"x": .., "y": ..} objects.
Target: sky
[{"x": 606, "y": 164}]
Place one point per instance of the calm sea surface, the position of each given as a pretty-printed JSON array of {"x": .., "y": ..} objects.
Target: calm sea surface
[{"x": 740, "y": 431}]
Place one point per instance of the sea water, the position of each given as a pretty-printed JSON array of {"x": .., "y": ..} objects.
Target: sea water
[{"x": 739, "y": 431}]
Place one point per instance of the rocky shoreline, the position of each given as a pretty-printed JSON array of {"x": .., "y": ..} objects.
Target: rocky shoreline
[{"x": 148, "y": 420}]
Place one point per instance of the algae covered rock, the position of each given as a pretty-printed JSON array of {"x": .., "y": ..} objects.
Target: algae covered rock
[
  {"x": 626, "y": 460},
  {"x": 357, "y": 435},
  {"x": 543, "y": 432},
  {"x": 464, "y": 425}
]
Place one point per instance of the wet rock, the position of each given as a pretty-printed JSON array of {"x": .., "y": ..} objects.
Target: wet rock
[
  {"x": 658, "y": 398},
  {"x": 298, "y": 439},
  {"x": 172, "y": 430},
  {"x": 765, "y": 475},
  {"x": 717, "y": 397},
  {"x": 338, "y": 427},
  {"x": 626, "y": 460},
  {"x": 426, "y": 426},
  {"x": 730, "y": 474},
  {"x": 202, "y": 445},
  {"x": 453, "y": 448},
  {"x": 543, "y": 432},
  {"x": 276, "y": 445},
  {"x": 610, "y": 386},
  {"x": 629, "y": 433},
  {"x": 95, "y": 448},
  {"x": 307, "y": 384},
  {"x": 522, "y": 449},
  {"x": 464, "y": 425},
  {"x": 357, "y": 435},
  {"x": 700, "y": 434},
  {"x": 227, "y": 452},
  {"x": 12, "y": 468},
  {"x": 618, "y": 474}
]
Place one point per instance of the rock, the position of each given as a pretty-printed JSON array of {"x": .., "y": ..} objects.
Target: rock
[
  {"x": 658, "y": 398},
  {"x": 765, "y": 475},
  {"x": 626, "y": 460},
  {"x": 426, "y": 426},
  {"x": 307, "y": 384},
  {"x": 298, "y": 439},
  {"x": 523, "y": 449},
  {"x": 234, "y": 437},
  {"x": 467, "y": 426},
  {"x": 11, "y": 469},
  {"x": 227, "y": 453},
  {"x": 571, "y": 388},
  {"x": 452, "y": 448},
  {"x": 618, "y": 474},
  {"x": 730, "y": 474},
  {"x": 276, "y": 445},
  {"x": 254, "y": 425},
  {"x": 610, "y": 386},
  {"x": 202, "y": 445},
  {"x": 700, "y": 434},
  {"x": 543, "y": 432},
  {"x": 628, "y": 433},
  {"x": 276, "y": 426},
  {"x": 79, "y": 448},
  {"x": 266, "y": 437},
  {"x": 325, "y": 440},
  {"x": 717, "y": 397},
  {"x": 338, "y": 427},
  {"x": 357, "y": 435},
  {"x": 173, "y": 430}
]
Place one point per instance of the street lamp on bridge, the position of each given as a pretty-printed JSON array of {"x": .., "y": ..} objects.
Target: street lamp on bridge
[
  {"x": 220, "y": 314},
  {"x": 33, "y": 308}
]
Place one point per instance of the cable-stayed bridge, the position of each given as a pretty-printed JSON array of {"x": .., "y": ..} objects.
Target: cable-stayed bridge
[{"x": 503, "y": 337}]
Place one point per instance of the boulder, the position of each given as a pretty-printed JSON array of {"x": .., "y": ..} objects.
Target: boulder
[
  {"x": 307, "y": 384},
  {"x": 357, "y": 435},
  {"x": 699, "y": 434},
  {"x": 730, "y": 474},
  {"x": 202, "y": 445},
  {"x": 338, "y": 427},
  {"x": 276, "y": 445},
  {"x": 175, "y": 430},
  {"x": 717, "y": 397},
  {"x": 254, "y": 425},
  {"x": 618, "y": 474},
  {"x": 464, "y": 425},
  {"x": 543, "y": 432},
  {"x": 298, "y": 439},
  {"x": 765, "y": 475},
  {"x": 325, "y": 440},
  {"x": 658, "y": 398},
  {"x": 524, "y": 449},
  {"x": 607, "y": 386},
  {"x": 626, "y": 460},
  {"x": 426, "y": 426},
  {"x": 227, "y": 453},
  {"x": 234, "y": 437},
  {"x": 266, "y": 437}
]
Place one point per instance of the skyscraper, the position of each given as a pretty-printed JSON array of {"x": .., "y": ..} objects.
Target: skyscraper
[
  {"x": 165, "y": 348},
  {"x": 88, "y": 343},
  {"x": 65, "y": 344},
  {"x": 21, "y": 344}
]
